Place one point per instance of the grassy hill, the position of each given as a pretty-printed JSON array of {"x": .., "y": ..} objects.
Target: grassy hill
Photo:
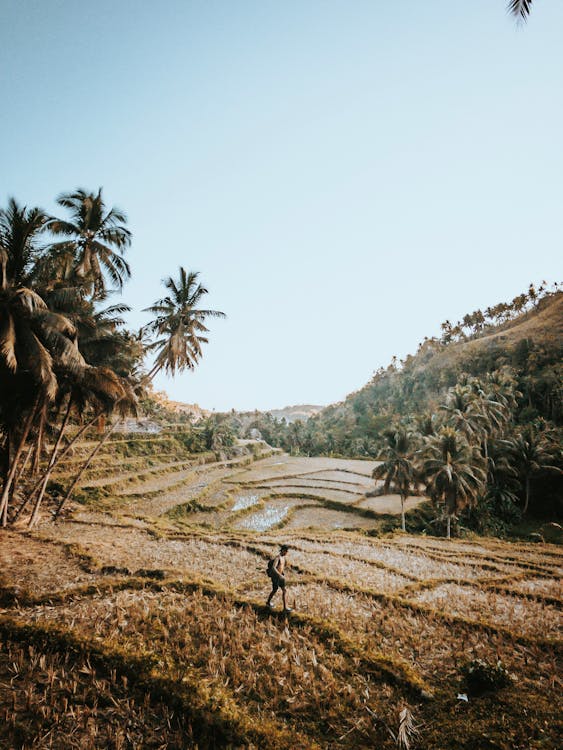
[
  {"x": 539, "y": 330},
  {"x": 532, "y": 344}
]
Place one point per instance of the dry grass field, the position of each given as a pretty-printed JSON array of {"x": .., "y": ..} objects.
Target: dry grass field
[{"x": 139, "y": 620}]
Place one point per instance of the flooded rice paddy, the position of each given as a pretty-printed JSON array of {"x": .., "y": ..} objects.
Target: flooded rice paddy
[
  {"x": 293, "y": 492},
  {"x": 244, "y": 501}
]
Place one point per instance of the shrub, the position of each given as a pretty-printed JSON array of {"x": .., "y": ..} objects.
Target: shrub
[{"x": 482, "y": 677}]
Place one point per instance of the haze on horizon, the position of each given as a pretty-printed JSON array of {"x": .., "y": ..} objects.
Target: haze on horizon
[{"x": 345, "y": 176}]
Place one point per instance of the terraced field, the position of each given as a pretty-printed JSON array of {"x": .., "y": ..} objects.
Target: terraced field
[
  {"x": 255, "y": 492},
  {"x": 139, "y": 620}
]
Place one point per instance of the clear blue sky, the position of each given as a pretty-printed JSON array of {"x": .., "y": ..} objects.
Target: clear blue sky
[{"x": 346, "y": 174}]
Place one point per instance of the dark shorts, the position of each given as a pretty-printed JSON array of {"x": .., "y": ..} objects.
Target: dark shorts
[{"x": 278, "y": 581}]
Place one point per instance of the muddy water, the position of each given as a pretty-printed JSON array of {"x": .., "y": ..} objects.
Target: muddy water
[
  {"x": 264, "y": 520},
  {"x": 244, "y": 501}
]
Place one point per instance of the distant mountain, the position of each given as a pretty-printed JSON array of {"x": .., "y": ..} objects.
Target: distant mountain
[{"x": 294, "y": 413}]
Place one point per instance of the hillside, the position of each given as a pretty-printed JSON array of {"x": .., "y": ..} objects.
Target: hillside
[
  {"x": 530, "y": 346},
  {"x": 540, "y": 329},
  {"x": 538, "y": 332},
  {"x": 138, "y": 620}
]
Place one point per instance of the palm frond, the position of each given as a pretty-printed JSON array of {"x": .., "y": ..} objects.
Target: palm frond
[
  {"x": 520, "y": 8},
  {"x": 8, "y": 341}
]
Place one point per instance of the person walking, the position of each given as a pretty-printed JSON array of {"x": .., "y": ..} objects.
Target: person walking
[{"x": 276, "y": 571}]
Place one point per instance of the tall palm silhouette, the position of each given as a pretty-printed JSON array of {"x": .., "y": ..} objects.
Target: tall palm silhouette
[
  {"x": 20, "y": 228},
  {"x": 96, "y": 240},
  {"x": 179, "y": 324},
  {"x": 35, "y": 345},
  {"x": 533, "y": 452}
]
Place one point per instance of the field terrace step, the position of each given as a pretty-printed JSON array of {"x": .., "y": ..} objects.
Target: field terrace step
[
  {"x": 172, "y": 480},
  {"x": 101, "y": 463},
  {"x": 161, "y": 491},
  {"x": 126, "y": 477},
  {"x": 126, "y": 447}
]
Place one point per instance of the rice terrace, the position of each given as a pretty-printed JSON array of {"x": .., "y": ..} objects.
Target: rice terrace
[{"x": 139, "y": 621}]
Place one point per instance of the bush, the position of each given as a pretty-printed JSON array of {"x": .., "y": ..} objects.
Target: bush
[{"x": 482, "y": 677}]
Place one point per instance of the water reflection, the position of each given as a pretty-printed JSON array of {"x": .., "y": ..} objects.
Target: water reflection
[
  {"x": 244, "y": 501},
  {"x": 265, "y": 519}
]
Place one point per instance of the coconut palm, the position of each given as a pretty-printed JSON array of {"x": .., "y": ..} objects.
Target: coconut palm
[
  {"x": 463, "y": 412},
  {"x": 96, "y": 240},
  {"x": 453, "y": 471},
  {"x": 489, "y": 412},
  {"x": 35, "y": 345},
  {"x": 38, "y": 346},
  {"x": 179, "y": 324},
  {"x": 398, "y": 469},
  {"x": 20, "y": 228},
  {"x": 502, "y": 480},
  {"x": 533, "y": 452},
  {"x": 426, "y": 423}
]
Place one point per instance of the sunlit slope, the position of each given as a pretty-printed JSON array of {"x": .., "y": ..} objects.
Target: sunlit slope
[
  {"x": 542, "y": 328},
  {"x": 531, "y": 345}
]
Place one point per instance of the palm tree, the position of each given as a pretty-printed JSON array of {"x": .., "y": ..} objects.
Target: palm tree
[
  {"x": 122, "y": 399},
  {"x": 453, "y": 471},
  {"x": 533, "y": 452},
  {"x": 398, "y": 470},
  {"x": 34, "y": 344},
  {"x": 502, "y": 478},
  {"x": 19, "y": 231},
  {"x": 96, "y": 240},
  {"x": 463, "y": 411},
  {"x": 179, "y": 324},
  {"x": 490, "y": 406}
]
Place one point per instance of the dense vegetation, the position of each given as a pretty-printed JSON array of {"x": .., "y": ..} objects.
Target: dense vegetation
[
  {"x": 67, "y": 361},
  {"x": 473, "y": 419}
]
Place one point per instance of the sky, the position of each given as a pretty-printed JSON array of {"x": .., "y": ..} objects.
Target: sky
[{"x": 344, "y": 174}]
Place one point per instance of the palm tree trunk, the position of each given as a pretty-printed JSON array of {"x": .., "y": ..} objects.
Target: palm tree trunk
[
  {"x": 49, "y": 470},
  {"x": 13, "y": 468},
  {"x": 58, "y": 458},
  {"x": 83, "y": 469},
  {"x": 527, "y": 498},
  {"x": 80, "y": 432},
  {"x": 449, "y": 527},
  {"x": 39, "y": 443},
  {"x": 20, "y": 472},
  {"x": 403, "y": 527},
  {"x": 153, "y": 372}
]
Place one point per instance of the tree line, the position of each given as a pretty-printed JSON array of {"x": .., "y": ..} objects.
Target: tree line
[
  {"x": 67, "y": 360},
  {"x": 478, "y": 323},
  {"x": 469, "y": 455}
]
